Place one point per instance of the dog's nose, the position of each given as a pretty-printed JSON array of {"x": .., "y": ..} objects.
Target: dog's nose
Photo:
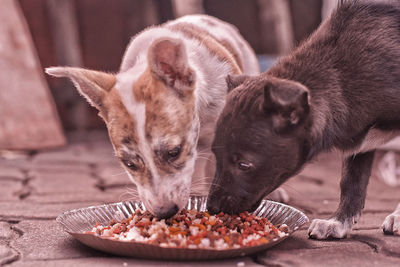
[
  {"x": 212, "y": 206},
  {"x": 167, "y": 212}
]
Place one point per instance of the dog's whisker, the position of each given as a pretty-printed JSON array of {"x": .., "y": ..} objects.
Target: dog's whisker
[
  {"x": 203, "y": 183},
  {"x": 213, "y": 184},
  {"x": 202, "y": 178},
  {"x": 209, "y": 160},
  {"x": 118, "y": 174},
  {"x": 126, "y": 196},
  {"x": 219, "y": 147},
  {"x": 202, "y": 150},
  {"x": 293, "y": 191}
]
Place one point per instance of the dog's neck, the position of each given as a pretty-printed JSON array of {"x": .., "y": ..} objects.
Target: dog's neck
[
  {"x": 315, "y": 69},
  {"x": 352, "y": 85}
]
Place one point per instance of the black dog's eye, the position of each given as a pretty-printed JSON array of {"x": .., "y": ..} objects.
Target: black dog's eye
[
  {"x": 244, "y": 166},
  {"x": 131, "y": 165},
  {"x": 174, "y": 153}
]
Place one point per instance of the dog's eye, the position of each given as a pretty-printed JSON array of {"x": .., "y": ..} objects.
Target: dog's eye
[
  {"x": 131, "y": 165},
  {"x": 244, "y": 166},
  {"x": 174, "y": 153}
]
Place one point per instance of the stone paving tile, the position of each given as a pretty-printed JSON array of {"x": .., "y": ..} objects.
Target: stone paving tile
[
  {"x": 301, "y": 251},
  {"x": 377, "y": 205},
  {"x": 76, "y": 197},
  {"x": 94, "y": 138},
  {"x": 87, "y": 173},
  {"x": 340, "y": 255},
  {"x": 6, "y": 232},
  {"x": 125, "y": 193},
  {"x": 327, "y": 206},
  {"x": 368, "y": 220},
  {"x": 59, "y": 167},
  {"x": 63, "y": 182},
  {"x": 114, "y": 261},
  {"x": 301, "y": 187},
  {"x": 371, "y": 221},
  {"x": 112, "y": 175},
  {"x": 8, "y": 165},
  {"x": 383, "y": 244},
  {"x": 381, "y": 191},
  {"x": 46, "y": 240},
  {"x": 26, "y": 210},
  {"x": 10, "y": 172},
  {"x": 326, "y": 168},
  {"x": 7, "y": 254},
  {"x": 22, "y": 170},
  {"x": 77, "y": 153},
  {"x": 9, "y": 190}
]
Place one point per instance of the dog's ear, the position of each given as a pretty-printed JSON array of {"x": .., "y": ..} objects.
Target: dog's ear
[
  {"x": 287, "y": 103},
  {"x": 233, "y": 81},
  {"x": 169, "y": 62},
  {"x": 93, "y": 85}
]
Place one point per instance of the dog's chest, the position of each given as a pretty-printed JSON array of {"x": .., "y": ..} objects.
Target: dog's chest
[{"x": 372, "y": 140}]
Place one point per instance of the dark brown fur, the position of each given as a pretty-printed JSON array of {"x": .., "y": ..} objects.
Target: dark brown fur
[{"x": 334, "y": 88}]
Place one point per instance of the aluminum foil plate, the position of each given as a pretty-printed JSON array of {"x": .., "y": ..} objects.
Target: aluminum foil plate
[{"x": 78, "y": 221}]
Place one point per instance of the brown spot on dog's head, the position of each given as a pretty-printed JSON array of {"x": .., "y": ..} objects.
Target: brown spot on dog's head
[
  {"x": 166, "y": 89},
  {"x": 93, "y": 85},
  {"x": 168, "y": 62},
  {"x": 99, "y": 89},
  {"x": 222, "y": 49}
]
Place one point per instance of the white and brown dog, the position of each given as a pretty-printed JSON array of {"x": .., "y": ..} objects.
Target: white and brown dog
[{"x": 161, "y": 108}]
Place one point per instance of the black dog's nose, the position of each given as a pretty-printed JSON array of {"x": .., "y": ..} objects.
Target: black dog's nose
[
  {"x": 167, "y": 212},
  {"x": 226, "y": 204},
  {"x": 213, "y": 207}
]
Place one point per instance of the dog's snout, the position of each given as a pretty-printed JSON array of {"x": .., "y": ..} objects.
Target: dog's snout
[
  {"x": 217, "y": 204},
  {"x": 213, "y": 207},
  {"x": 167, "y": 212}
]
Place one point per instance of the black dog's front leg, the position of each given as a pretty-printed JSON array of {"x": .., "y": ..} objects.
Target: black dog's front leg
[{"x": 356, "y": 171}]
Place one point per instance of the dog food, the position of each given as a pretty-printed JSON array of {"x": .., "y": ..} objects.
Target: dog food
[{"x": 193, "y": 229}]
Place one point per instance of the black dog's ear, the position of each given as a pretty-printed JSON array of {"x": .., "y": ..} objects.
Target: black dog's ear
[
  {"x": 287, "y": 102},
  {"x": 233, "y": 81}
]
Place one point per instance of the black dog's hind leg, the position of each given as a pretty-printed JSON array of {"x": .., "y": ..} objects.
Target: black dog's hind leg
[{"x": 356, "y": 171}]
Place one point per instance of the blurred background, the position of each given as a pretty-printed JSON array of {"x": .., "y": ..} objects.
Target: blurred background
[{"x": 36, "y": 110}]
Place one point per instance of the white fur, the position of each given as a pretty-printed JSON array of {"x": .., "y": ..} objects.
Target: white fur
[
  {"x": 391, "y": 224},
  {"x": 210, "y": 89},
  {"x": 331, "y": 228},
  {"x": 225, "y": 31},
  {"x": 158, "y": 192}
]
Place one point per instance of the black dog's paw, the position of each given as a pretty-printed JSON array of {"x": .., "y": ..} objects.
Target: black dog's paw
[
  {"x": 391, "y": 224},
  {"x": 328, "y": 229}
]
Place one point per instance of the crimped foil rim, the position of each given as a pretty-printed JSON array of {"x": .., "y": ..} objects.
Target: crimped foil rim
[{"x": 77, "y": 221}]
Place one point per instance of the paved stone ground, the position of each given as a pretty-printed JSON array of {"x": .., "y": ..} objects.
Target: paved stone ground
[{"x": 34, "y": 189}]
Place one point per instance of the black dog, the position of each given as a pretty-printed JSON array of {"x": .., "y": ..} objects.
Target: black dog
[{"x": 339, "y": 89}]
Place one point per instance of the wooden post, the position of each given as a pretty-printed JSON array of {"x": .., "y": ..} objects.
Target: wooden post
[
  {"x": 187, "y": 7},
  {"x": 28, "y": 118},
  {"x": 328, "y": 6},
  {"x": 277, "y": 12},
  {"x": 65, "y": 32},
  {"x": 68, "y": 52}
]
